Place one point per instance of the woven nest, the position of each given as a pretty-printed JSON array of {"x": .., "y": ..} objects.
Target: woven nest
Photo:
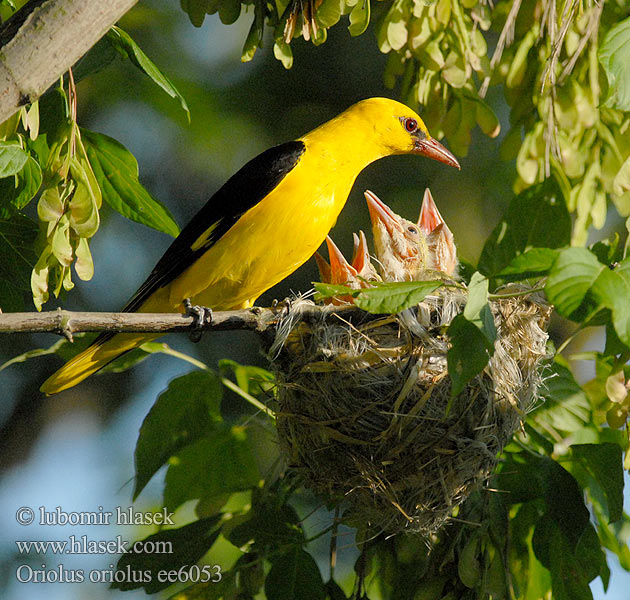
[{"x": 363, "y": 407}]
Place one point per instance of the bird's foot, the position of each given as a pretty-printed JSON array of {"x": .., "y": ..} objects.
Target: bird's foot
[
  {"x": 283, "y": 306},
  {"x": 202, "y": 315}
]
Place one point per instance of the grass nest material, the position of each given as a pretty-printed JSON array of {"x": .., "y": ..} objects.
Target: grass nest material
[{"x": 365, "y": 411}]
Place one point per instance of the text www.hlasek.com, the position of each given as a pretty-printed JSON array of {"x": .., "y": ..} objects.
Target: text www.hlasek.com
[{"x": 83, "y": 545}]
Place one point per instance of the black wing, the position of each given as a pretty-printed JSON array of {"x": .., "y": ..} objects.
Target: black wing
[{"x": 242, "y": 191}]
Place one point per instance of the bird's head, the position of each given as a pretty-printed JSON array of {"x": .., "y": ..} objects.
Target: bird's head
[
  {"x": 439, "y": 237},
  {"x": 401, "y": 247},
  {"x": 399, "y": 130}
]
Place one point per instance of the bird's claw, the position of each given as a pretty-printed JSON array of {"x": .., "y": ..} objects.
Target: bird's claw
[
  {"x": 202, "y": 315},
  {"x": 284, "y": 306}
]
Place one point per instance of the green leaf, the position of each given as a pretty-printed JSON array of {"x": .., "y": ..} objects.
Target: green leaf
[
  {"x": 394, "y": 28},
  {"x": 219, "y": 464},
  {"x": 615, "y": 537},
  {"x": 566, "y": 408},
  {"x": 62, "y": 348},
  {"x": 486, "y": 118},
  {"x": 12, "y": 158},
  {"x": 282, "y": 51},
  {"x": 571, "y": 278},
  {"x": 612, "y": 290},
  {"x": 334, "y": 591},
  {"x": 469, "y": 353},
  {"x": 568, "y": 580},
  {"x": 468, "y": 567},
  {"x": 196, "y": 10},
  {"x": 591, "y": 556},
  {"x": 294, "y": 575},
  {"x": 614, "y": 56},
  {"x": 477, "y": 309},
  {"x": 271, "y": 526},
  {"x": 605, "y": 464},
  {"x": 17, "y": 258},
  {"x": 36, "y": 353},
  {"x": 391, "y": 298},
  {"x": 564, "y": 500},
  {"x": 21, "y": 188},
  {"x": 254, "y": 380},
  {"x": 229, "y": 11},
  {"x": 359, "y": 18},
  {"x": 520, "y": 481},
  {"x": 123, "y": 42},
  {"x": 330, "y": 290},
  {"x": 116, "y": 171},
  {"x": 329, "y": 13},
  {"x": 536, "y": 218},
  {"x": 608, "y": 252},
  {"x": 253, "y": 40},
  {"x": 188, "y": 544},
  {"x": 183, "y": 413},
  {"x": 532, "y": 263},
  {"x": 102, "y": 54},
  {"x": 130, "y": 359}
]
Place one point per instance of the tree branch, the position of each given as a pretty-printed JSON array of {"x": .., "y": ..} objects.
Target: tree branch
[
  {"x": 44, "y": 39},
  {"x": 257, "y": 319}
]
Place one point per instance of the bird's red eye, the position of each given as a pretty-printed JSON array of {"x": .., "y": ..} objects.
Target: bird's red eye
[{"x": 411, "y": 125}]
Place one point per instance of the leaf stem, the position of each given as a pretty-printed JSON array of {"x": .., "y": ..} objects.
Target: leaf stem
[{"x": 228, "y": 383}]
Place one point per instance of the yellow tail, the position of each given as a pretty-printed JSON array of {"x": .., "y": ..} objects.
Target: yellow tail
[{"x": 92, "y": 359}]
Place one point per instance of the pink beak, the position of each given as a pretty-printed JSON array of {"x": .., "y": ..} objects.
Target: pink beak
[
  {"x": 340, "y": 270},
  {"x": 324, "y": 268},
  {"x": 431, "y": 148},
  {"x": 381, "y": 213},
  {"x": 430, "y": 216},
  {"x": 361, "y": 254}
]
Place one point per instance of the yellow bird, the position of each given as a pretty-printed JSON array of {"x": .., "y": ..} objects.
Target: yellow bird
[{"x": 266, "y": 221}]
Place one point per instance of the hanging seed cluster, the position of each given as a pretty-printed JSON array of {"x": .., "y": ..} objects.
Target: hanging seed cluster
[{"x": 365, "y": 411}]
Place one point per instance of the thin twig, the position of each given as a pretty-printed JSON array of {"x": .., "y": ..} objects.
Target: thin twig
[
  {"x": 593, "y": 26},
  {"x": 66, "y": 323},
  {"x": 505, "y": 39}
]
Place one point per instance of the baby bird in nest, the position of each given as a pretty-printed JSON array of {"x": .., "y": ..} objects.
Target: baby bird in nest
[
  {"x": 408, "y": 251},
  {"x": 439, "y": 237},
  {"x": 357, "y": 275}
]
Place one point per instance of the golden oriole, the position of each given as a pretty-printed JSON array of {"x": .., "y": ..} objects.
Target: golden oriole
[{"x": 266, "y": 221}]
